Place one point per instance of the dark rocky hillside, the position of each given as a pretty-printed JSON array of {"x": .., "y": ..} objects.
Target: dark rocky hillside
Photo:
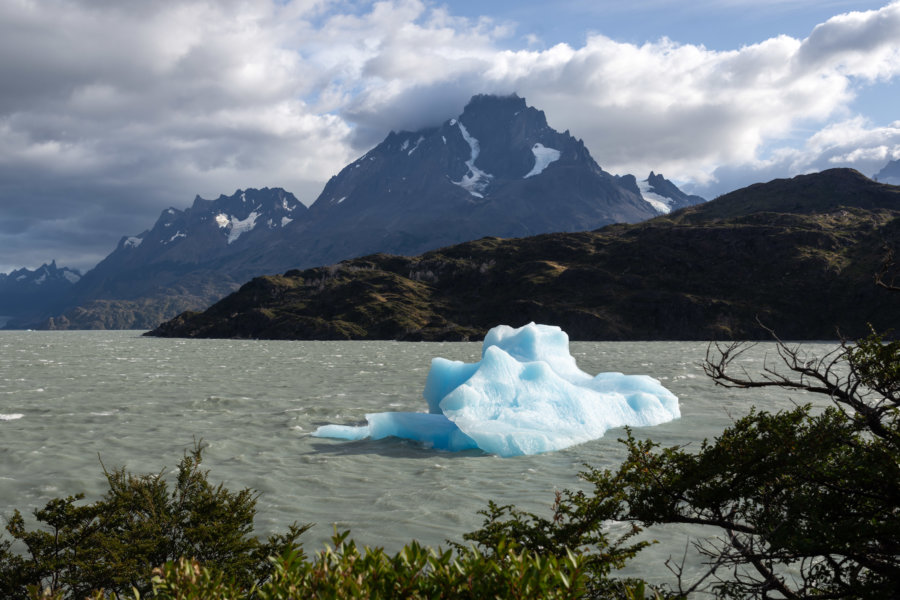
[{"x": 797, "y": 255}]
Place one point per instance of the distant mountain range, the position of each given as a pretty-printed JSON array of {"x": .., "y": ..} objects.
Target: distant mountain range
[
  {"x": 42, "y": 289},
  {"x": 890, "y": 173},
  {"x": 498, "y": 169},
  {"x": 797, "y": 255}
]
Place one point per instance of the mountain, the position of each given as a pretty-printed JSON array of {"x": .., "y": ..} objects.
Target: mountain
[
  {"x": 203, "y": 238},
  {"x": 185, "y": 261},
  {"x": 498, "y": 169},
  {"x": 39, "y": 290},
  {"x": 664, "y": 195},
  {"x": 797, "y": 255},
  {"x": 890, "y": 173}
]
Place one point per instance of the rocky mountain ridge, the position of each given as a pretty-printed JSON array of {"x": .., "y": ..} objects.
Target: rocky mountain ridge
[
  {"x": 42, "y": 288},
  {"x": 497, "y": 169},
  {"x": 796, "y": 255},
  {"x": 181, "y": 263}
]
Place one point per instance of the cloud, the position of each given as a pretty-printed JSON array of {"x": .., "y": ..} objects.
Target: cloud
[
  {"x": 859, "y": 44},
  {"x": 112, "y": 111},
  {"x": 662, "y": 105},
  {"x": 856, "y": 143}
]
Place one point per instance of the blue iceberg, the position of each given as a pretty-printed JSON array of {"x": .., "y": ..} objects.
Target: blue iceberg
[{"x": 525, "y": 396}]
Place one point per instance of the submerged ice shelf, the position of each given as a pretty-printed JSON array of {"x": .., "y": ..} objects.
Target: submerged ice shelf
[{"x": 525, "y": 396}]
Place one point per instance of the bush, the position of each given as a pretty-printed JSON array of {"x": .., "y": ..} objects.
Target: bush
[
  {"x": 345, "y": 571},
  {"x": 199, "y": 539},
  {"x": 802, "y": 504},
  {"x": 806, "y": 505},
  {"x": 114, "y": 544}
]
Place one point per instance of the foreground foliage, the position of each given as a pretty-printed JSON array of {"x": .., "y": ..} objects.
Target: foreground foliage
[
  {"x": 578, "y": 523},
  {"x": 114, "y": 543},
  {"x": 345, "y": 571},
  {"x": 142, "y": 540},
  {"x": 799, "y": 503}
]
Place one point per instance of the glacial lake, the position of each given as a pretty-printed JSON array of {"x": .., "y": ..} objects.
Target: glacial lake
[{"x": 71, "y": 399}]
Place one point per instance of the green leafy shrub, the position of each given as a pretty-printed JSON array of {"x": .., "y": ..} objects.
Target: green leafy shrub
[
  {"x": 415, "y": 572},
  {"x": 114, "y": 543},
  {"x": 577, "y": 524},
  {"x": 194, "y": 541}
]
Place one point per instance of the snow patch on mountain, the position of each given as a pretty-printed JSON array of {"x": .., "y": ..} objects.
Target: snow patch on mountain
[
  {"x": 661, "y": 204},
  {"x": 240, "y": 227},
  {"x": 132, "y": 242},
  {"x": 475, "y": 181},
  {"x": 418, "y": 141},
  {"x": 543, "y": 157}
]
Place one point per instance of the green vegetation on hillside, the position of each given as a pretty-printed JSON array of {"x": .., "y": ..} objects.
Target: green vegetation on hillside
[{"x": 797, "y": 255}]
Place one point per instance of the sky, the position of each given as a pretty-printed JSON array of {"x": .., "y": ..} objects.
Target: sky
[{"x": 112, "y": 111}]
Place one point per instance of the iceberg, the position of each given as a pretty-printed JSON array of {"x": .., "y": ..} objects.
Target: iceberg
[{"x": 525, "y": 396}]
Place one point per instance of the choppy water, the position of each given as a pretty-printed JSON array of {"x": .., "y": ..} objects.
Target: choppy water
[{"x": 70, "y": 399}]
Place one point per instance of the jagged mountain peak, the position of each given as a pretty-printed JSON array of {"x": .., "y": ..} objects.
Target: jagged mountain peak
[
  {"x": 196, "y": 249},
  {"x": 466, "y": 159},
  {"x": 498, "y": 168},
  {"x": 513, "y": 139},
  {"x": 511, "y": 103},
  {"x": 24, "y": 291},
  {"x": 43, "y": 274},
  {"x": 67, "y": 273},
  {"x": 227, "y": 218},
  {"x": 664, "y": 195},
  {"x": 244, "y": 201}
]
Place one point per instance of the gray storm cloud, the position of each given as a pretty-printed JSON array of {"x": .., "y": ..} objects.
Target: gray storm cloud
[{"x": 111, "y": 112}]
